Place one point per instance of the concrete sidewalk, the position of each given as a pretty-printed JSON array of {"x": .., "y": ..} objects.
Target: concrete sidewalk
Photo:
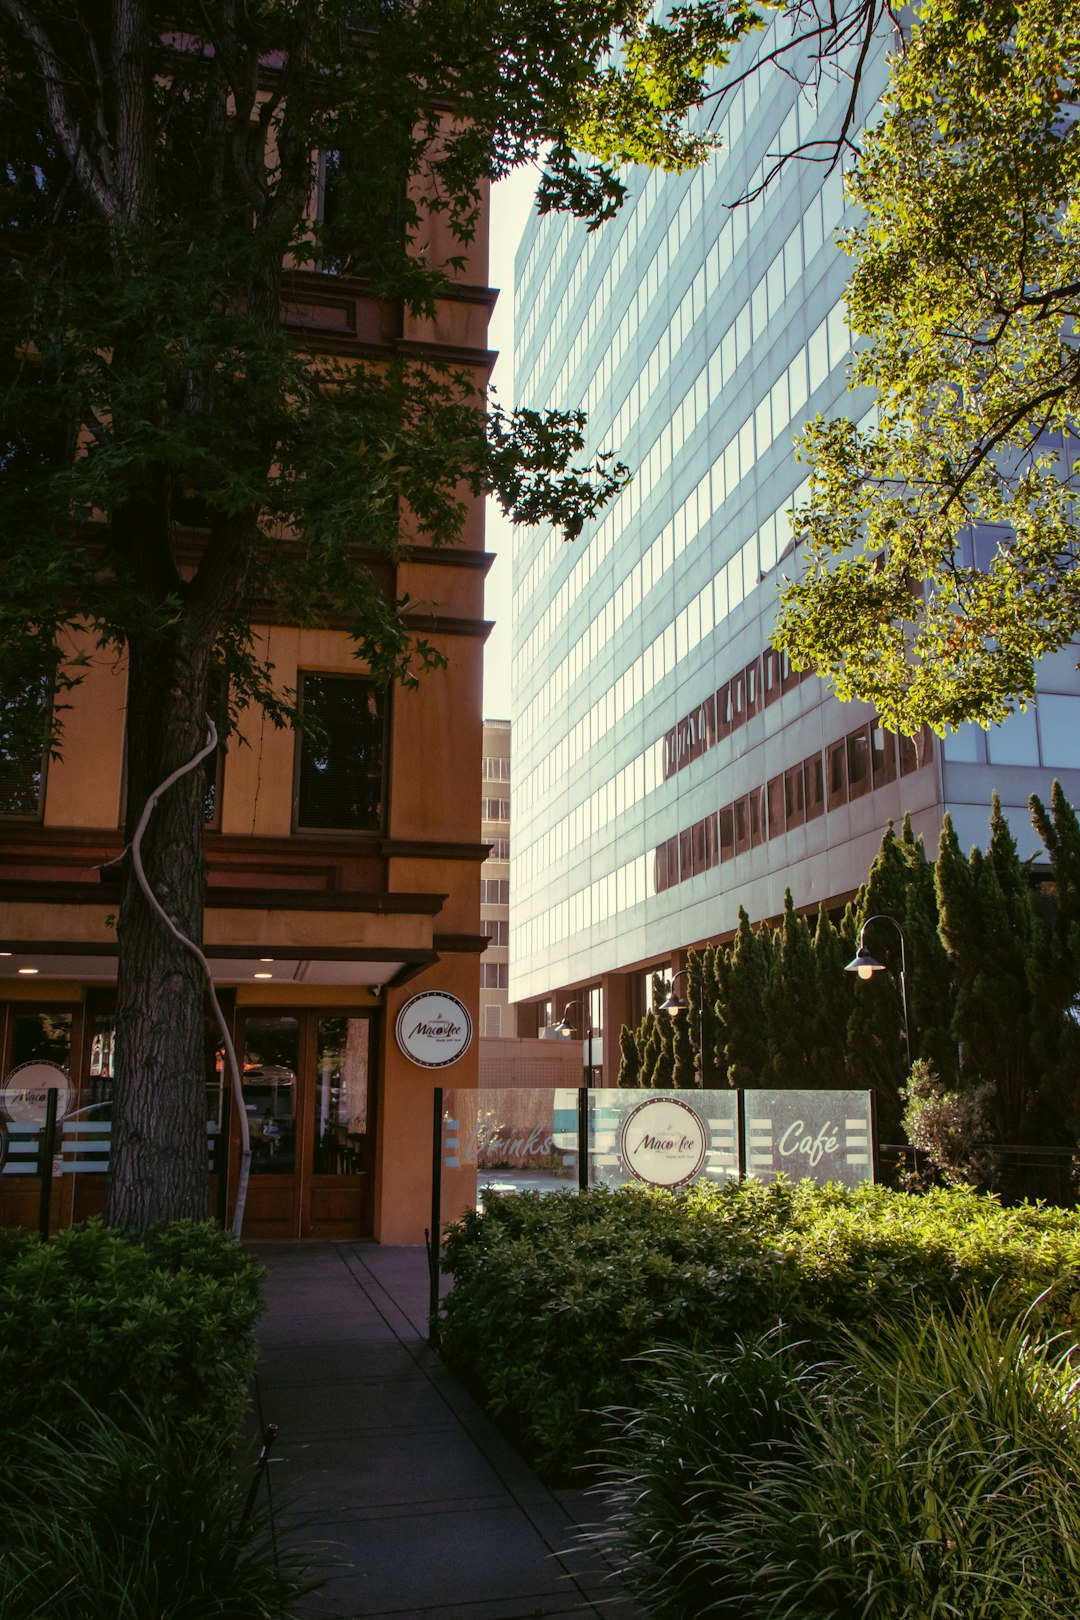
[{"x": 392, "y": 1470}]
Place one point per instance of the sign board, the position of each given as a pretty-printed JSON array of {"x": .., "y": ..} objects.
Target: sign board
[
  {"x": 820, "y": 1135},
  {"x": 24, "y": 1094},
  {"x": 434, "y": 1029},
  {"x": 663, "y": 1142}
]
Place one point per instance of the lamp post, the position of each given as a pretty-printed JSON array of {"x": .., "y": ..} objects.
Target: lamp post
[
  {"x": 866, "y": 966},
  {"x": 674, "y": 1005},
  {"x": 564, "y": 1032}
]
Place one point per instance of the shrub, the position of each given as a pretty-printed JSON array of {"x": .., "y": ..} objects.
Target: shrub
[
  {"x": 553, "y": 1294},
  {"x": 935, "y": 1473},
  {"x": 163, "y": 1324}
]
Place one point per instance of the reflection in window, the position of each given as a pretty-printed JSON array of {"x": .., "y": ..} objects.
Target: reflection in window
[
  {"x": 341, "y": 753},
  {"x": 1058, "y": 730},
  {"x": 23, "y": 754},
  {"x": 341, "y": 1097},
  {"x": 271, "y": 1060},
  {"x": 1015, "y": 741}
]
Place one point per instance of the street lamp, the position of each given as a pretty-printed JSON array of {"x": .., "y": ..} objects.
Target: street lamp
[
  {"x": 563, "y": 1031},
  {"x": 674, "y": 1005},
  {"x": 866, "y": 966}
]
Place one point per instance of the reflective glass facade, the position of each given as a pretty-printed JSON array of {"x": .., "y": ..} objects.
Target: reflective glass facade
[{"x": 668, "y": 765}]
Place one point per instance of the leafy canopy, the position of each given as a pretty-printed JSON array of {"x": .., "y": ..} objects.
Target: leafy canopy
[{"x": 941, "y": 542}]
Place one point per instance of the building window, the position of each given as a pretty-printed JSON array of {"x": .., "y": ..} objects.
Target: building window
[
  {"x": 858, "y": 763},
  {"x": 757, "y": 816},
  {"x": 495, "y": 809},
  {"x": 494, "y": 976},
  {"x": 24, "y": 758},
  {"x": 726, "y": 824},
  {"x": 915, "y": 752},
  {"x": 882, "y": 754},
  {"x": 836, "y": 757},
  {"x": 777, "y": 818},
  {"x": 499, "y": 849},
  {"x": 814, "y": 781},
  {"x": 341, "y": 763},
  {"x": 794, "y": 797},
  {"x": 498, "y": 932},
  {"x": 493, "y": 1019},
  {"x": 494, "y": 891}
]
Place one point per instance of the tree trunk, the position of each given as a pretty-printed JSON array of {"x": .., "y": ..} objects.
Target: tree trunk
[{"x": 159, "y": 1144}]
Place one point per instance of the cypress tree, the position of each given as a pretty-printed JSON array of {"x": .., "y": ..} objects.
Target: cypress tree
[
  {"x": 629, "y": 1059},
  {"x": 790, "y": 1003},
  {"x": 877, "y": 1057},
  {"x": 832, "y": 1004},
  {"x": 746, "y": 1052}
]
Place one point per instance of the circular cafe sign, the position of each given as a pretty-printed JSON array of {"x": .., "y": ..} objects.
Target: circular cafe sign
[
  {"x": 663, "y": 1142},
  {"x": 434, "y": 1029},
  {"x": 24, "y": 1094}
]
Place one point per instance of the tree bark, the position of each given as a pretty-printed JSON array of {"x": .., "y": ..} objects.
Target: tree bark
[{"x": 159, "y": 1147}]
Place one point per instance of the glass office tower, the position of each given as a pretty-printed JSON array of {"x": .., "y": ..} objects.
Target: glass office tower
[{"x": 668, "y": 765}]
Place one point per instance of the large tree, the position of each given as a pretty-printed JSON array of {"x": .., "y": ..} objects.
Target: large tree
[
  {"x": 940, "y": 543},
  {"x": 170, "y": 457}
]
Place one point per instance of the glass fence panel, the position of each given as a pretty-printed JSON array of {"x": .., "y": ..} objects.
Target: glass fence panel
[
  {"x": 507, "y": 1139},
  {"x": 820, "y": 1135},
  {"x": 83, "y": 1129},
  {"x": 662, "y": 1138}
]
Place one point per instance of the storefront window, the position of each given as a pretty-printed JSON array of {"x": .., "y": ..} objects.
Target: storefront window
[
  {"x": 271, "y": 1060},
  {"x": 341, "y": 1096}
]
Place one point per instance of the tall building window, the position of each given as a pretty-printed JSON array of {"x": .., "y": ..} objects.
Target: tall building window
[
  {"x": 341, "y": 754},
  {"x": 23, "y": 754}
]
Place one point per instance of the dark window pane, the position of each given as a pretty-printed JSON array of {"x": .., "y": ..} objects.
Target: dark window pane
[
  {"x": 22, "y": 749},
  {"x": 836, "y": 768},
  {"x": 341, "y": 773},
  {"x": 685, "y": 741},
  {"x": 686, "y": 856},
  {"x": 757, "y": 816},
  {"x": 738, "y": 700},
  {"x": 814, "y": 782},
  {"x": 712, "y": 847},
  {"x": 671, "y": 758},
  {"x": 727, "y": 832},
  {"x": 882, "y": 754},
  {"x": 340, "y": 1137},
  {"x": 708, "y": 712},
  {"x": 915, "y": 752},
  {"x": 753, "y": 688},
  {"x": 858, "y": 762},
  {"x": 777, "y": 816},
  {"x": 271, "y": 1059},
  {"x": 771, "y": 674},
  {"x": 723, "y": 710},
  {"x": 698, "y": 841},
  {"x": 741, "y": 808},
  {"x": 794, "y": 797}
]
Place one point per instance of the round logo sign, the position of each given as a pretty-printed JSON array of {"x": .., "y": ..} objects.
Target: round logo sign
[
  {"x": 24, "y": 1094},
  {"x": 434, "y": 1029},
  {"x": 663, "y": 1142}
]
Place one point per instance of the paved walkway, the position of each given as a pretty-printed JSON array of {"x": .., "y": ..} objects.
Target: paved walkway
[{"x": 392, "y": 1469}]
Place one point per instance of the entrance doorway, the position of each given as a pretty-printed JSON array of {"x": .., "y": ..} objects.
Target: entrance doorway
[{"x": 309, "y": 1094}]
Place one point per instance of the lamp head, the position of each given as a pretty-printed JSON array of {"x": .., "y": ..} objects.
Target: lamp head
[
  {"x": 864, "y": 964},
  {"x": 674, "y": 1005}
]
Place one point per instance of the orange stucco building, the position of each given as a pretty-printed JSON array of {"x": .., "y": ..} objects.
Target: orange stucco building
[{"x": 343, "y": 880}]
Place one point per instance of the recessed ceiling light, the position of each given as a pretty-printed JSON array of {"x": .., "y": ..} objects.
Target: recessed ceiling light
[
  {"x": 264, "y": 975},
  {"x": 28, "y": 970},
  {"x": 5, "y": 953},
  {"x": 266, "y": 958}
]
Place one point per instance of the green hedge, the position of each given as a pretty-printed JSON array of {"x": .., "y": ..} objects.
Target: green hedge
[
  {"x": 553, "y": 1294},
  {"x": 160, "y": 1325}
]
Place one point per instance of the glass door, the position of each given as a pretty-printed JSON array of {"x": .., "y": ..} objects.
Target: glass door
[{"x": 308, "y": 1099}]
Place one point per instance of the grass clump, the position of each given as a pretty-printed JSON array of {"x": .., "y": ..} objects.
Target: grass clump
[{"x": 933, "y": 1471}]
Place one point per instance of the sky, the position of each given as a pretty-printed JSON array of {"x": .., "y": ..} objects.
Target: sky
[{"x": 511, "y": 201}]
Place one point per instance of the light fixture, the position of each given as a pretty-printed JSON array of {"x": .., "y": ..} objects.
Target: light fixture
[
  {"x": 28, "y": 970},
  {"x": 263, "y": 975},
  {"x": 266, "y": 958},
  {"x": 5, "y": 953},
  {"x": 673, "y": 1005},
  {"x": 864, "y": 964}
]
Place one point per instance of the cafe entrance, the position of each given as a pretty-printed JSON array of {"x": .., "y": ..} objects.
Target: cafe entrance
[{"x": 309, "y": 1095}]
